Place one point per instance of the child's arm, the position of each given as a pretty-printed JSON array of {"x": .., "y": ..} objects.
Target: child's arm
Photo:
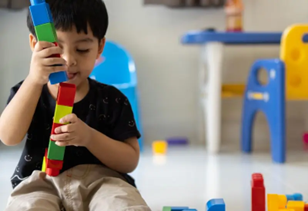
[
  {"x": 120, "y": 156},
  {"x": 17, "y": 116}
]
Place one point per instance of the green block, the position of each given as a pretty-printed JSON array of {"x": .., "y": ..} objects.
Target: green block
[
  {"x": 167, "y": 209},
  {"x": 46, "y": 32},
  {"x": 55, "y": 152},
  {"x": 61, "y": 111}
]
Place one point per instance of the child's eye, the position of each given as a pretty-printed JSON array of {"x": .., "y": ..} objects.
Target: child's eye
[{"x": 82, "y": 50}]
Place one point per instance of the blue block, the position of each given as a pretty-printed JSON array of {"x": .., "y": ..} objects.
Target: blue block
[
  {"x": 179, "y": 208},
  {"x": 41, "y": 14},
  {"x": 272, "y": 104},
  {"x": 216, "y": 205},
  {"x": 58, "y": 77},
  {"x": 190, "y": 210},
  {"x": 295, "y": 197},
  {"x": 34, "y": 2}
]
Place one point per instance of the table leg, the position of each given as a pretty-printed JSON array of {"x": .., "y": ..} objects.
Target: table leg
[{"x": 212, "y": 59}]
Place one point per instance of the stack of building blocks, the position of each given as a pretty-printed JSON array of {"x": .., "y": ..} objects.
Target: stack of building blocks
[
  {"x": 45, "y": 31},
  {"x": 64, "y": 106}
]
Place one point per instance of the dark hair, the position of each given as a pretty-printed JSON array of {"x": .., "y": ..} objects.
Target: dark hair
[{"x": 67, "y": 13}]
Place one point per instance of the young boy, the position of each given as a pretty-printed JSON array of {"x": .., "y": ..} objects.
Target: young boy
[{"x": 101, "y": 137}]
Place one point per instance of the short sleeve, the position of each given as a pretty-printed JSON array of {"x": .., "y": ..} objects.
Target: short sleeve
[{"x": 124, "y": 123}]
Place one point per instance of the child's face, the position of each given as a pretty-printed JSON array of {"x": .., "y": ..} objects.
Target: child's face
[{"x": 80, "y": 51}]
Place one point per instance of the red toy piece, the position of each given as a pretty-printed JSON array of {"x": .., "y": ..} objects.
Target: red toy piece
[
  {"x": 257, "y": 192},
  {"x": 66, "y": 94},
  {"x": 54, "y": 126},
  {"x": 53, "y": 167},
  {"x": 306, "y": 207}
]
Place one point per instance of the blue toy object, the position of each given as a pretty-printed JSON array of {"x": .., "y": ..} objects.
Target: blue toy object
[
  {"x": 270, "y": 99},
  {"x": 117, "y": 68},
  {"x": 295, "y": 197},
  {"x": 215, "y": 205},
  {"x": 45, "y": 31}
]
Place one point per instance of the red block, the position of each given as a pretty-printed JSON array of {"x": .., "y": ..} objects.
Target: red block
[
  {"x": 257, "y": 193},
  {"x": 54, "y": 164},
  {"x": 55, "y": 55},
  {"x": 306, "y": 207},
  {"x": 66, "y": 94},
  {"x": 52, "y": 172},
  {"x": 54, "y": 126}
]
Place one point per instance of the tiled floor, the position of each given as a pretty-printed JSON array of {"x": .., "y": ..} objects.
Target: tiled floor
[{"x": 190, "y": 177}]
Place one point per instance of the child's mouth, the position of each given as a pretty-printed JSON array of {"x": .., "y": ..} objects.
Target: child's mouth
[{"x": 71, "y": 75}]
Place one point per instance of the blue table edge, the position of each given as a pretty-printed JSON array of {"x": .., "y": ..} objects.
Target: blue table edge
[{"x": 231, "y": 38}]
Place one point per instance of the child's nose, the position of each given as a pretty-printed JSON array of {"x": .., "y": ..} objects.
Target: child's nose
[{"x": 70, "y": 60}]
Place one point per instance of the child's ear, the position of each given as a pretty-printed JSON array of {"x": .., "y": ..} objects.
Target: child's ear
[
  {"x": 101, "y": 47},
  {"x": 32, "y": 41}
]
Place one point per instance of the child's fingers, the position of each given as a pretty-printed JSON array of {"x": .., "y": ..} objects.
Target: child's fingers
[
  {"x": 40, "y": 45},
  {"x": 70, "y": 118},
  {"x": 65, "y": 129}
]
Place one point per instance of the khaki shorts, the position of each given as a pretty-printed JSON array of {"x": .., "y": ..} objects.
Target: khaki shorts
[{"x": 82, "y": 188}]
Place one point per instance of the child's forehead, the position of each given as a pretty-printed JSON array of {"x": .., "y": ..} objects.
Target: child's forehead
[{"x": 73, "y": 35}]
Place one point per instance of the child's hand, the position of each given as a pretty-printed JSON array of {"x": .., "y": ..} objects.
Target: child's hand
[
  {"x": 42, "y": 65},
  {"x": 75, "y": 133}
]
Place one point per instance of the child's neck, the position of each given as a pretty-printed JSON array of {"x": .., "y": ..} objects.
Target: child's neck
[{"x": 81, "y": 90}]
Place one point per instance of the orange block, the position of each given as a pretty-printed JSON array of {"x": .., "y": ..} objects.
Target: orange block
[{"x": 296, "y": 205}]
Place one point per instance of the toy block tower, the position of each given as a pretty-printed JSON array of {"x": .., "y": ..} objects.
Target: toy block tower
[
  {"x": 53, "y": 160},
  {"x": 257, "y": 192},
  {"x": 45, "y": 31}
]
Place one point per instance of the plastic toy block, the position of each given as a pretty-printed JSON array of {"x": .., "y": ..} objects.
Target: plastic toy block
[
  {"x": 54, "y": 126},
  {"x": 190, "y": 210},
  {"x": 34, "y": 2},
  {"x": 44, "y": 165},
  {"x": 61, "y": 111},
  {"x": 54, "y": 164},
  {"x": 46, "y": 32},
  {"x": 177, "y": 141},
  {"x": 159, "y": 147},
  {"x": 306, "y": 207},
  {"x": 257, "y": 193},
  {"x": 216, "y": 205},
  {"x": 276, "y": 202},
  {"x": 52, "y": 172},
  {"x": 40, "y": 14},
  {"x": 174, "y": 208},
  {"x": 66, "y": 94},
  {"x": 294, "y": 197},
  {"x": 296, "y": 205},
  {"x": 58, "y": 77},
  {"x": 55, "y": 152}
]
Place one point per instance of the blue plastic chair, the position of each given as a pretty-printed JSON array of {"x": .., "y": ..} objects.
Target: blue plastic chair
[
  {"x": 117, "y": 68},
  {"x": 270, "y": 99}
]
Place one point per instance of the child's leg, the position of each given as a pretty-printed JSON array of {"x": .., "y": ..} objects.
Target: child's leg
[
  {"x": 116, "y": 194},
  {"x": 34, "y": 194}
]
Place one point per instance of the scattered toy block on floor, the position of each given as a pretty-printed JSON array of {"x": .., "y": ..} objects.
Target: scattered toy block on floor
[
  {"x": 159, "y": 147},
  {"x": 216, "y": 205},
  {"x": 257, "y": 193},
  {"x": 294, "y": 197},
  {"x": 306, "y": 207},
  {"x": 296, "y": 205}
]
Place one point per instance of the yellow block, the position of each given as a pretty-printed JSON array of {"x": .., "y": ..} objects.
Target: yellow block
[
  {"x": 159, "y": 147},
  {"x": 44, "y": 165},
  {"x": 296, "y": 205},
  {"x": 233, "y": 90},
  {"x": 61, "y": 111},
  {"x": 276, "y": 202},
  {"x": 294, "y": 53}
]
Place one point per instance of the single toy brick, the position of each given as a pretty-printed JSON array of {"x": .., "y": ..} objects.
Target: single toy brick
[
  {"x": 296, "y": 205},
  {"x": 55, "y": 152},
  {"x": 54, "y": 164},
  {"x": 54, "y": 126},
  {"x": 190, "y": 210},
  {"x": 34, "y": 2},
  {"x": 179, "y": 208},
  {"x": 44, "y": 165},
  {"x": 52, "y": 172},
  {"x": 276, "y": 202},
  {"x": 66, "y": 94},
  {"x": 58, "y": 77},
  {"x": 46, "y": 32},
  {"x": 306, "y": 207},
  {"x": 257, "y": 193},
  {"x": 61, "y": 111},
  {"x": 40, "y": 14},
  {"x": 295, "y": 197},
  {"x": 166, "y": 208},
  {"x": 216, "y": 205}
]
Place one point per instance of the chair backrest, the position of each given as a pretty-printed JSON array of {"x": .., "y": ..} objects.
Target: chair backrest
[
  {"x": 115, "y": 67},
  {"x": 294, "y": 53}
]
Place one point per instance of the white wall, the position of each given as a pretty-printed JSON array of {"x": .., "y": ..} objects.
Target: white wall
[{"x": 167, "y": 70}]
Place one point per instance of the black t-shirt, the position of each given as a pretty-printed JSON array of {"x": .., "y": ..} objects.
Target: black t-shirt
[{"x": 104, "y": 108}]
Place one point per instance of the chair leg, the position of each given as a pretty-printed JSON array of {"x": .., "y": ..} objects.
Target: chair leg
[
  {"x": 248, "y": 117},
  {"x": 277, "y": 135}
]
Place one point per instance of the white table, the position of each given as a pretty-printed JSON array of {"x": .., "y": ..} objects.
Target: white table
[{"x": 212, "y": 44}]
